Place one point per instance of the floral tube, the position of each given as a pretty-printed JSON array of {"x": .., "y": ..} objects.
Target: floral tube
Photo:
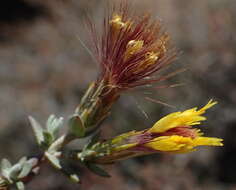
[{"x": 173, "y": 133}]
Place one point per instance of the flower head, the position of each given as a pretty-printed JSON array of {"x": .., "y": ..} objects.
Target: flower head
[
  {"x": 173, "y": 134},
  {"x": 131, "y": 49}
]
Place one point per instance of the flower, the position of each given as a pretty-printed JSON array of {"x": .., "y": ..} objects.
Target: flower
[
  {"x": 172, "y": 134},
  {"x": 131, "y": 49}
]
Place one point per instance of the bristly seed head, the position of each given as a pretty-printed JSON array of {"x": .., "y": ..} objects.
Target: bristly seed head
[{"x": 131, "y": 49}]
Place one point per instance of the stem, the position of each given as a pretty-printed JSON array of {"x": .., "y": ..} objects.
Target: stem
[{"x": 96, "y": 104}]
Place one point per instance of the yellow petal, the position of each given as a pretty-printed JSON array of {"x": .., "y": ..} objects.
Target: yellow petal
[
  {"x": 179, "y": 144},
  {"x": 185, "y": 118},
  {"x": 170, "y": 143},
  {"x": 207, "y": 141},
  {"x": 209, "y": 105}
]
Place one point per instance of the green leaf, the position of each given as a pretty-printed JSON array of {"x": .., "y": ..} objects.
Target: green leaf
[
  {"x": 33, "y": 161},
  {"x": 97, "y": 170},
  {"x": 38, "y": 131},
  {"x": 5, "y": 164},
  {"x": 14, "y": 171},
  {"x": 54, "y": 124},
  {"x": 76, "y": 126},
  {"x": 50, "y": 121},
  {"x": 22, "y": 160},
  {"x": 54, "y": 160},
  {"x": 48, "y": 138},
  {"x": 5, "y": 169},
  {"x": 26, "y": 169},
  {"x": 57, "y": 145},
  {"x": 70, "y": 169},
  {"x": 20, "y": 185}
]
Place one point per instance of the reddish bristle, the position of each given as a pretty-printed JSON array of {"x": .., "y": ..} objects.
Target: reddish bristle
[{"x": 111, "y": 48}]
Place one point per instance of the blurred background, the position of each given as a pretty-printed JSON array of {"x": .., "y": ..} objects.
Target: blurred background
[{"x": 44, "y": 69}]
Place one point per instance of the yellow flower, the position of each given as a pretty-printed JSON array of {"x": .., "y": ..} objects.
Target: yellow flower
[
  {"x": 176, "y": 134},
  {"x": 172, "y": 134}
]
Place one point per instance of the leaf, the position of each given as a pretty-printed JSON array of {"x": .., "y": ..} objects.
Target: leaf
[
  {"x": 70, "y": 169},
  {"x": 5, "y": 164},
  {"x": 97, "y": 170},
  {"x": 57, "y": 145},
  {"x": 76, "y": 126},
  {"x": 54, "y": 124},
  {"x": 33, "y": 161},
  {"x": 38, "y": 131},
  {"x": 26, "y": 169},
  {"x": 22, "y": 160},
  {"x": 49, "y": 121},
  {"x": 48, "y": 138},
  {"x": 5, "y": 169},
  {"x": 20, "y": 185},
  {"x": 14, "y": 171},
  {"x": 54, "y": 160}
]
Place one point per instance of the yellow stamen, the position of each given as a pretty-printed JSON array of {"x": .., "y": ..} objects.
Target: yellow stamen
[
  {"x": 133, "y": 47},
  {"x": 151, "y": 58},
  {"x": 117, "y": 22}
]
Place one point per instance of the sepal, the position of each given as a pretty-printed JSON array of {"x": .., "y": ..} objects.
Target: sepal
[{"x": 76, "y": 127}]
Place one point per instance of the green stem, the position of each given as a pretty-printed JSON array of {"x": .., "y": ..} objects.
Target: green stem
[{"x": 95, "y": 105}]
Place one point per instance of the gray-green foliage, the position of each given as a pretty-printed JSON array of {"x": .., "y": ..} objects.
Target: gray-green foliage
[
  {"x": 46, "y": 136},
  {"x": 11, "y": 174}
]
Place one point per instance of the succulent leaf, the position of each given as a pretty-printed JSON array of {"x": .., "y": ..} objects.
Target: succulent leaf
[{"x": 38, "y": 130}]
